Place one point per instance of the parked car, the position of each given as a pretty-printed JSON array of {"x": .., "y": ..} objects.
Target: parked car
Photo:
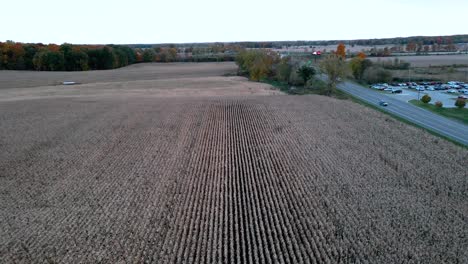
[
  {"x": 452, "y": 91},
  {"x": 462, "y": 97},
  {"x": 454, "y": 83},
  {"x": 430, "y": 88},
  {"x": 397, "y": 91},
  {"x": 420, "y": 88}
]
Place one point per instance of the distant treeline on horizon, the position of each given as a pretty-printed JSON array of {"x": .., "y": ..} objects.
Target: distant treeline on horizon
[
  {"x": 423, "y": 40},
  {"x": 65, "y": 57},
  {"x": 69, "y": 57}
]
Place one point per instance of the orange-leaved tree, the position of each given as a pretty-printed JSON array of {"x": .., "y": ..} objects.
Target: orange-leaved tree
[
  {"x": 361, "y": 55},
  {"x": 341, "y": 50}
]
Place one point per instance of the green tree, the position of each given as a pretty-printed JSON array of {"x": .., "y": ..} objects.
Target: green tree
[
  {"x": 74, "y": 59},
  {"x": 283, "y": 70},
  {"x": 30, "y": 51},
  {"x": 47, "y": 60},
  {"x": 108, "y": 58},
  {"x": 102, "y": 58},
  {"x": 358, "y": 65},
  {"x": 55, "y": 61},
  {"x": 306, "y": 72},
  {"x": 79, "y": 61},
  {"x": 39, "y": 60},
  {"x": 335, "y": 68},
  {"x": 148, "y": 55},
  {"x": 426, "y": 99}
]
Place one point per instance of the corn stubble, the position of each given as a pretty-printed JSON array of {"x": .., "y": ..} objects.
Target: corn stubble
[{"x": 226, "y": 180}]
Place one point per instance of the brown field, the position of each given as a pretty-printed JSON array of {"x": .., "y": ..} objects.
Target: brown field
[
  {"x": 444, "y": 75},
  {"x": 128, "y": 170},
  {"x": 432, "y": 67},
  {"x": 426, "y": 61}
]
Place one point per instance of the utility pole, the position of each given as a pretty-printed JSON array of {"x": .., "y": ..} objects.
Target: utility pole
[{"x": 409, "y": 78}]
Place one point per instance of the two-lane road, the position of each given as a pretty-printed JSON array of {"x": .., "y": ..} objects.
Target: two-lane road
[{"x": 439, "y": 124}]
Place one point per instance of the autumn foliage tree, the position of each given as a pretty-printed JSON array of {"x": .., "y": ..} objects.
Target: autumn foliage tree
[
  {"x": 460, "y": 103},
  {"x": 12, "y": 55},
  {"x": 52, "y": 57},
  {"x": 341, "y": 50},
  {"x": 257, "y": 64},
  {"x": 358, "y": 65},
  {"x": 411, "y": 47}
]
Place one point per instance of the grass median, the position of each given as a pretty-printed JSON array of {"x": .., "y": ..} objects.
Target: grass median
[{"x": 460, "y": 114}]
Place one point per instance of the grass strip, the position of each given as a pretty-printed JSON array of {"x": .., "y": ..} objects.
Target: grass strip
[{"x": 459, "y": 114}]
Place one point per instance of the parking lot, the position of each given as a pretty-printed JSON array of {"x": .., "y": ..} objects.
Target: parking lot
[{"x": 445, "y": 93}]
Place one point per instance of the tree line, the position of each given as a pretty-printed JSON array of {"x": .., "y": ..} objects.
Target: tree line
[
  {"x": 433, "y": 41},
  {"x": 65, "y": 57},
  {"x": 267, "y": 65},
  {"x": 173, "y": 53}
]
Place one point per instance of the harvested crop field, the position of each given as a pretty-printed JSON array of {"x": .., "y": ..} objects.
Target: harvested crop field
[
  {"x": 241, "y": 177},
  {"x": 430, "y": 60}
]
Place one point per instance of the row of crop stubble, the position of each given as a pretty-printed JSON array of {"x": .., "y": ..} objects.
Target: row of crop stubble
[{"x": 257, "y": 180}]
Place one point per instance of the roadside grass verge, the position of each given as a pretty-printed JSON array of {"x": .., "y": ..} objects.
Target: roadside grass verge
[{"x": 452, "y": 113}]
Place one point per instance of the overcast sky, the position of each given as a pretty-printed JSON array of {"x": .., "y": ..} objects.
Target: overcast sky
[{"x": 145, "y": 21}]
